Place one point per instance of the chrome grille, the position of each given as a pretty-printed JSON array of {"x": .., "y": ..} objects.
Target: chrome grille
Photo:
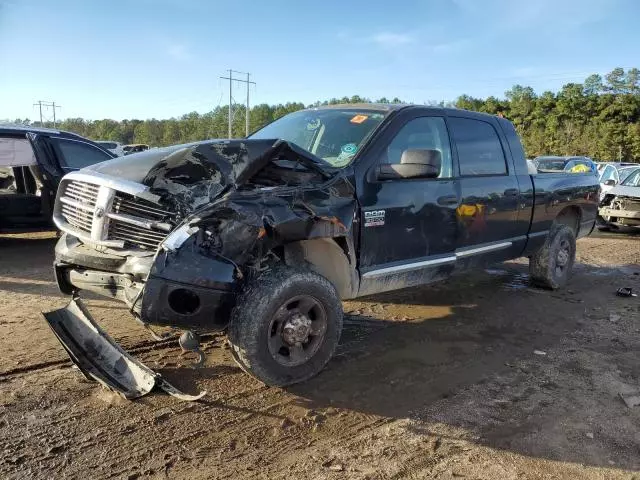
[
  {"x": 78, "y": 203},
  {"x": 104, "y": 216},
  {"x": 124, "y": 204},
  {"x": 135, "y": 235}
]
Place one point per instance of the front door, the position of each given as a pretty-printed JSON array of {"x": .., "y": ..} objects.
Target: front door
[{"x": 408, "y": 225}]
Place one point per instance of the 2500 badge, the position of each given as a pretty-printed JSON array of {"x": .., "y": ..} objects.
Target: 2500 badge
[{"x": 374, "y": 218}]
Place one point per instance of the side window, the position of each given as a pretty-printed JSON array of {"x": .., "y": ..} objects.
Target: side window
[
  {"x": 428, "y": 133},
  {"x": 607, "y": 174},
  {"x": 76, "y": 155},
  {"x": 479, "y": 148}
]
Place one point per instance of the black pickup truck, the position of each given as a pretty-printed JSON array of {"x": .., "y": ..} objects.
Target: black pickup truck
[{"x": 265, "y": 235}]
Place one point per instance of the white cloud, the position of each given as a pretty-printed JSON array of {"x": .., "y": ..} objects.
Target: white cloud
[
  {"x": 390, "y": 39},
  {"x": 449, "y": 47},
  {"x": 180, "y": 52},
  {"x": 382, "y": 39}
]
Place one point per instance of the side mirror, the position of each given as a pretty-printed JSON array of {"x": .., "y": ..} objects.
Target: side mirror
[
  {"x": 414, "y": 163},
  {"x": 610, "y": 183}
]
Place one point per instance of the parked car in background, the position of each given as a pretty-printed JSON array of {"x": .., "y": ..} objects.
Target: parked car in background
[
  {"x": 621, "y": 204},
  {"x": 114, "y": 147},
  {"x": 135, "y": 148},
  {"x": 569, "y": 164},
  {"x": 32, "y": 162},
  {"x": 613, "y": 174}
]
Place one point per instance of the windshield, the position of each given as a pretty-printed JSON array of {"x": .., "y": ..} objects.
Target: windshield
[
  {"x": 552, "y": 164},
  {"x": 332, "y": 135},
  {"x": 633, "y": 179}
]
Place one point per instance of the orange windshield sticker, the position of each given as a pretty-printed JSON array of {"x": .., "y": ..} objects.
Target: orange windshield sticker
[{"x": 359, "y": 118}]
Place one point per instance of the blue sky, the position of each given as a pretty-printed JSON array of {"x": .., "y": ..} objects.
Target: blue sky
[{"x": 145, "y": 58}]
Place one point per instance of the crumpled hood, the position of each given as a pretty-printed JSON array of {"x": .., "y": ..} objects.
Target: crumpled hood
[{"x": 191, "y": 175}]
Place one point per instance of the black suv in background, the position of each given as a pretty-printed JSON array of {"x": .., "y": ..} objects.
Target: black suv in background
[{"x": 32, "y": 162}]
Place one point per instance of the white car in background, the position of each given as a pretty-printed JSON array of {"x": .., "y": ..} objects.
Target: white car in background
[
  {"x": 621, "y": 204},
  {"x": 113, "y": 147},
  {"x": 614, "y": 174}
]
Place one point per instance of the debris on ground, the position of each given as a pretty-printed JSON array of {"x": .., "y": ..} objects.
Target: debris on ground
[
  {"x": 539, "y": 352},
  {"x": 631, "y": 399},
  {"x": 614, "y": 317},
  {"x": 626, "y": 292}
]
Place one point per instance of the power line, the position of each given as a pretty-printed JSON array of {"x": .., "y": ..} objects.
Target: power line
[
  {"x": 52, "y": 105},
  {"x": 248, "y": 82}
]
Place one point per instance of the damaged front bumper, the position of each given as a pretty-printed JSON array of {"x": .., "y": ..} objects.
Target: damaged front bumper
[
  {"x": 619, "y": 216},
  {"x": 183, "y": 289}
]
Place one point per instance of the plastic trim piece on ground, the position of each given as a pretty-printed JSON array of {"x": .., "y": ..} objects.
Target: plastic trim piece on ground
[{"x": 100, "y": 358}]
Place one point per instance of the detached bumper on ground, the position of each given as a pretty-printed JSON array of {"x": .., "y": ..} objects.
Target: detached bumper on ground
[{"x": 100, "y": 358}]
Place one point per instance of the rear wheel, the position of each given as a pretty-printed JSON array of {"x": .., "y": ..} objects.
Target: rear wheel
[
  {"x": 551, "y": 266},
  {"x": 286, "y": 325}
]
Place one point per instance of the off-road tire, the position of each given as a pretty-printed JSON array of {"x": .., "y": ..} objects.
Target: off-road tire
[
  {"x": 545, "y": 267},
  {"x": 249, "y": 327}
]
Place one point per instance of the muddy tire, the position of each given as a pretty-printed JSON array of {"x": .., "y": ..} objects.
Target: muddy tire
[
  {"x": 550, "y": 267},
  {"x": 286, "y": 325}
]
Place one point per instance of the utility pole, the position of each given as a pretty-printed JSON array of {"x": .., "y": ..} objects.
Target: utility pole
[
  {"x": 40, "y": 104},
  {"x": 248, "y": 82},
  {"x": 54, "y": 114},
  {"x": 247, "y": 111},
  {"x": 619, "y": 153}
]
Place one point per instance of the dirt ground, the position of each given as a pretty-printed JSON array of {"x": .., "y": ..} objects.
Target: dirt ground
[{"x": 481, "y": 377}]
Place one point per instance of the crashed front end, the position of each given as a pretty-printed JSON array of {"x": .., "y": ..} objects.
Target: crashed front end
[
  {"x": 175, "y": 236},
  {"x": 621, "y": 207}
]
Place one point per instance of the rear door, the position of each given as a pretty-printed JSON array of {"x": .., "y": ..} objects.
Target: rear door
[
  {"x": 48, "y": 167},
  {"x": 26, "y": 202},
  {"x": 408, "y": 226},
  {"x": 487, "y": 216}
]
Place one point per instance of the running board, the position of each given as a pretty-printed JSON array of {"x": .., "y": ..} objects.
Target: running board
[{"x": 100, "y": 358}]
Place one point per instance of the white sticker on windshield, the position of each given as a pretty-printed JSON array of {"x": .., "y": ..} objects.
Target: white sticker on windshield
[
  {"x": 347, "y": 152},
  {"x": 313, "y": 124}
]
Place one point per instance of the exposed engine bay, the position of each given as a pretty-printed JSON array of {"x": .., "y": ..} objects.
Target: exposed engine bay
[{"x": 617, "y": 209}]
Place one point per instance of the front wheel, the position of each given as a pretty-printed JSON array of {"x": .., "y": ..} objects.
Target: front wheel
[
  {"x": 286, "y": 325},
  {"x": 550, "y": 267}
]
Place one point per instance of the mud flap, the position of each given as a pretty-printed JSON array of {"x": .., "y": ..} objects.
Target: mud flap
[{"x": 100, "y": 358}]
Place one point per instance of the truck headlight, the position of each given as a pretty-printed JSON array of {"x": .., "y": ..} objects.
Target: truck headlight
[{"x": 176, "y": 238}]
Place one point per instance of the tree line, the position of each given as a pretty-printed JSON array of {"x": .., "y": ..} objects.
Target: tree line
[{"x": 599, "y": 118}]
